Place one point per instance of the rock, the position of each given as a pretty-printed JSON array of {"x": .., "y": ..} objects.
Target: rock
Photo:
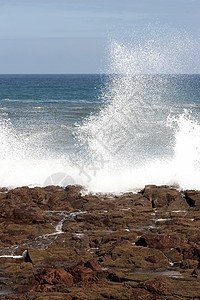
[
  {"x": 154, "y": 285},
  {"x": 112, "y": 220},
  {"x": 192, "y": 234},
  {"x": 126, "y": 255},
  {"x": 189, "y": 252},
  {"x": 49, "y": 277},
  {"x": 119, "y": 236},
  {"x": 93, "y": 265},
  {"x": 26, "y": 205},
  {"x": 141, "y": 294},
  {"x": 112, "y": 249},
  {"x": 194, "y": 273},
  {"x": 160, "y": 241},
  {"x": 57, "y": 198},
  {"x": 74, "y": 197},
  {"x": 18, "y": 267},
  {"x": 46, "y": 198},
  {"x": 189, "y": 264},
  {"x": 164, "y": 196},
  {"x": 80, "y": 274},
  {"x": 193, "y": 198},
  {"x": 55, "y": 255}
]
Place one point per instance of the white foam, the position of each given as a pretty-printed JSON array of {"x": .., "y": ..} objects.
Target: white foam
[
  {"x": 139, "y": 141},
  {"x": 11, "y": 256},
  {"x": 131, "y": 142}
]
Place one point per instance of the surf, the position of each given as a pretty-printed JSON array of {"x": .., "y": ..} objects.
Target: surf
[{"x": 143, "y": 133}]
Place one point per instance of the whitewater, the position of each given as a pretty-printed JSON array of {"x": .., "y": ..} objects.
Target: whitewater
[{"x": 144, "y": 131}]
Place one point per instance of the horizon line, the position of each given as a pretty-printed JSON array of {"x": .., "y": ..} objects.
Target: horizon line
[{"x": 98, "y": 74}]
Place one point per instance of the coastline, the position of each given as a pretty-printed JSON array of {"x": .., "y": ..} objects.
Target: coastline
[{"x": 56, "y": 243}]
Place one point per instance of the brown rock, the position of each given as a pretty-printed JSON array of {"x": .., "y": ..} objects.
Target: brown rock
[
  {"x": 25, "y": 205},
  {"x": 113, "y": 220},
  {"x": 50, "y": 197},
  {"x": 131, "y": 240},
  {"x": 19, "y": 213},
  {"x": 55, "y": 255},
  {"x": 74, "y": 197},
  {"x": 119, "y": 236},
  {"x": 126, "y": 255},
  {"x": 194, "y": 273},
  {"x": 160, "y": 241},
  {"x": 189, "y": 252},
  {"x": 154, "y": 285},
  {"x": 189, "y": 264},
  {"x": 193, "y": 198},
  {"x": 142, "y": 294},
  {"x": 93, "y": 265},
  {"x": 53, "y": 276},
  {"x": 161, "y": 196},
  {"x": 80, "y": 274}
]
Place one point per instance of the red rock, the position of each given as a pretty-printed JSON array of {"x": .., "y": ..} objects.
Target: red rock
[
  {"x": 48, "y": 277},
  {"x": 80, "y": 274},
  {"x": 53, "y": 276}
]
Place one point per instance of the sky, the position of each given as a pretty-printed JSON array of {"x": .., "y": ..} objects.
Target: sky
[{"x": 74, "y": 36}]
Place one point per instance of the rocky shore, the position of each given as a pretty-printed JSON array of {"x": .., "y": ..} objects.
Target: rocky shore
[{"x": 61, "y": 244}]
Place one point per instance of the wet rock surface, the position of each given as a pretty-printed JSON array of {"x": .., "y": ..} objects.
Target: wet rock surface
[{"x": 58, "y": 243}]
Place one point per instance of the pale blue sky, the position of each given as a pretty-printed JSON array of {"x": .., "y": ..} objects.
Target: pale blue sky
[{"x": 72, "y": 36}]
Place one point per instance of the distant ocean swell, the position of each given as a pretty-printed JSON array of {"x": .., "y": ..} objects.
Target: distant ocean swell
[{"x": 146, "y": 131}]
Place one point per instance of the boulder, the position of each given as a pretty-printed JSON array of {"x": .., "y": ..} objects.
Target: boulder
[
  {"x": 161, "y": 196},
  {"x": 80, "y": 274},
  {"x": 52, "y": 276}
]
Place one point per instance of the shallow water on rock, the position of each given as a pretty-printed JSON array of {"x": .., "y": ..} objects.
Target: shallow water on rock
[
  {"x": 5, "y": 292},
  {"x": 167, "y": 272},
  {"x": 42, "y": 241}
]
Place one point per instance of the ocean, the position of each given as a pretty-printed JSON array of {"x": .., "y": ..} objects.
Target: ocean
[{"x": 111, "y": 133}]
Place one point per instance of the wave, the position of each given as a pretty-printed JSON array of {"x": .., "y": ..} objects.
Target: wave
[
  {"x": 23, "y": 165},
  {"x": 139, "y": 136}
]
